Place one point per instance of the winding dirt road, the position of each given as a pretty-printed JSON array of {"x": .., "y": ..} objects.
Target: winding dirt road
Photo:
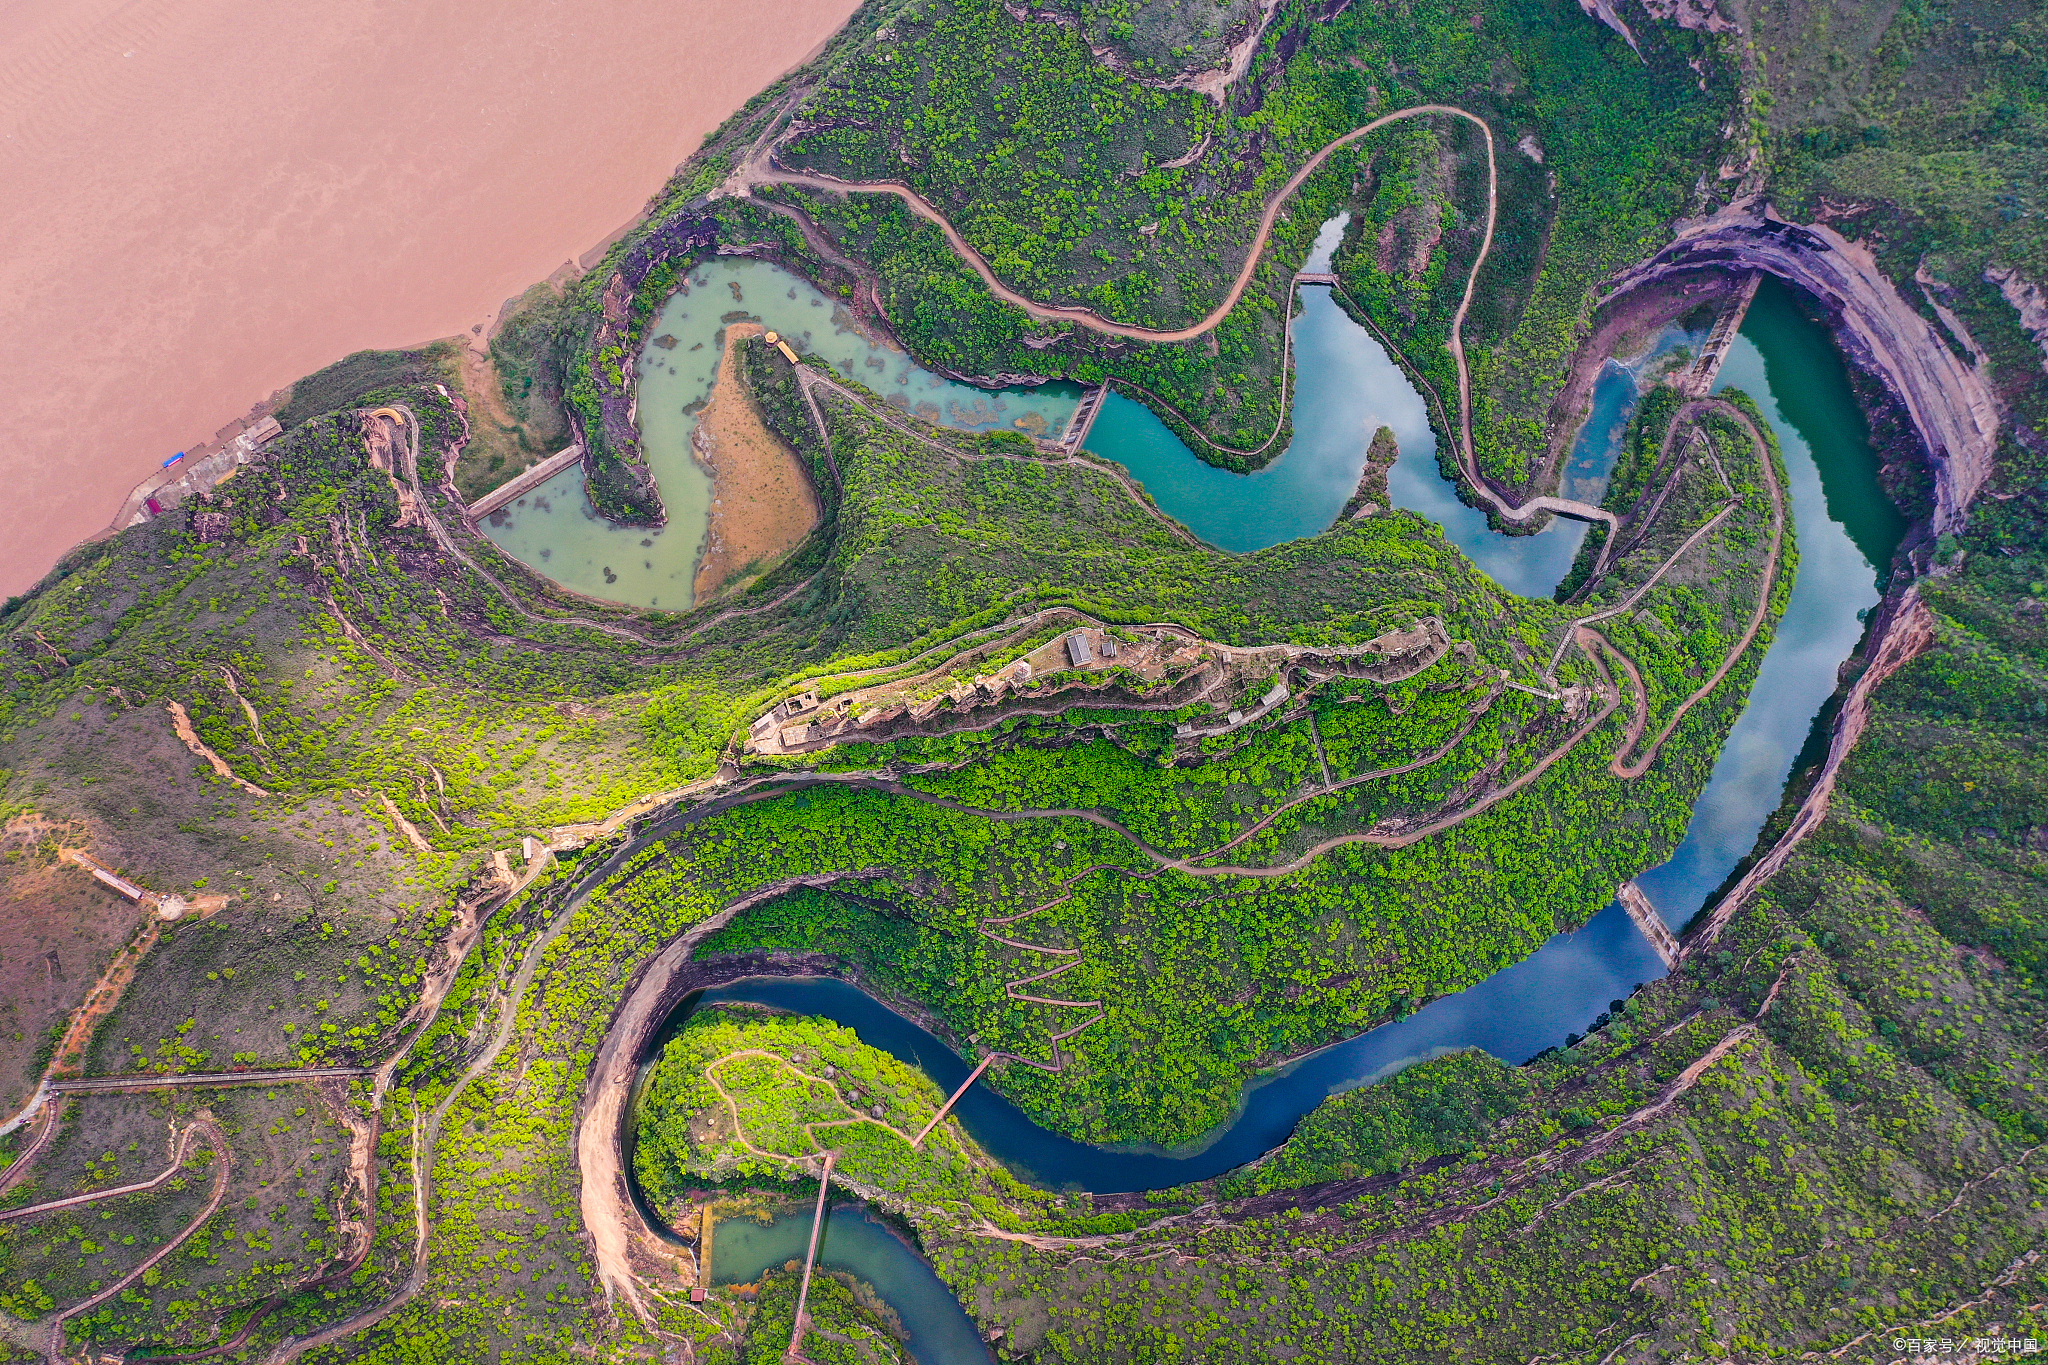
[
  {"x": 224, "y": 1167},
  {"x": 181, "y": 1150},
  {"x": 760, "y": 169},
  {"x": 605, "y": 1202}
]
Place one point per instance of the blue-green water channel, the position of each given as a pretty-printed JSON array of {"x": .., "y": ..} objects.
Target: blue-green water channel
[
  {"x": 555, "y": 531},
  {"x": 1846, "y": 533},
  {"x": 859, "y": 1244},
  {"x": 1346, "y": 387}
]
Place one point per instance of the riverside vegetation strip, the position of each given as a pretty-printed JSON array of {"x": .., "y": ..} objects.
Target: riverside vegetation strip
[{"x": 1818, "y": 1131}]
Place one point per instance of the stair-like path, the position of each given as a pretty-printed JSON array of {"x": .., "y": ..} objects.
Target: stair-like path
[
  {"x": 1698, "y": 381},
  {"x": 1083, "y": 418}
]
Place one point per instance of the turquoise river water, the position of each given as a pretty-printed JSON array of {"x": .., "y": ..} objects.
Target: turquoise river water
[{"x": 1346, "y": 387}]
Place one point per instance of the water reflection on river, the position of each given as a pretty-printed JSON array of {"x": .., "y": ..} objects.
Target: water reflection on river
[
  {"x": 1346, "y": 387},
  {"x": 1571, "y": 979},
  {"x": 858, "y": 1243},
  {"x": 1847, "y": 532}
]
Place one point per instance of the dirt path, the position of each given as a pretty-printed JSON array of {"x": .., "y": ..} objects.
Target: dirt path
[
  {"x": 99, "y": 1003},
  {"x": 224, "y": 1168},
  {"x": 1641, "y": 764},
  {"x": 1014, "y": 988},
  {"x": 1640, "y": 719},
  {"x": 853, "y": 1116},
  {"x": 761, "y": 170},
  {"x": 182, "y": 723},
  {"x": 181, "y": 1148}
]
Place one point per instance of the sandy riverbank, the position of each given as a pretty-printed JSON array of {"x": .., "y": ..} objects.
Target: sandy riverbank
[
  {"x": 206, "y": 199},
  {"x": 762, "y": 504}
]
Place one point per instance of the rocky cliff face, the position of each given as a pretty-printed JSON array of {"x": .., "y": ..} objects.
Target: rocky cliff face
[
  {"x": 2029, "y": 300},
  {"x": 621, "y": 486},
  {"x": 1949, "y": 403}
]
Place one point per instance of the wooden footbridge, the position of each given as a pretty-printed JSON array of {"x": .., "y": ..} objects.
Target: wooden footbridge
[{"x": 1698, "y": 380}]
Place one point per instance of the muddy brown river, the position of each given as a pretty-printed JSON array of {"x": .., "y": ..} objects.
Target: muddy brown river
[{"x": 203, "y": 200}]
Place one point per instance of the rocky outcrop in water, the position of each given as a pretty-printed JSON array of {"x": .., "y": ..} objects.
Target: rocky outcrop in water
[{"x": 1949, "y": 404}]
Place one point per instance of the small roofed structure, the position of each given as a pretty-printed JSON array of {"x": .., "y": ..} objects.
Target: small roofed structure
[
  {"x": 1078, "y": 653},
  {"x": 1108, "y": 645},
  {"x": 779, "y": 344}
]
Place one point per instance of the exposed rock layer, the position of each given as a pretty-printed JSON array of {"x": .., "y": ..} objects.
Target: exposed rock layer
[
  {"x": 2029, "y": 299},
  {"x": 1949, "y": 404}
]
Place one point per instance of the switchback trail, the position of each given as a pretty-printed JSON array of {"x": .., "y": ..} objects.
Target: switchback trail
[
  {"x": 181, "y": 1149},
  {"x": 223, "y": 1169},
  {"x": 607, "y": 1212}
]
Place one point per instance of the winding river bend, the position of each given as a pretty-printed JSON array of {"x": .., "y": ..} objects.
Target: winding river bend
[
  {"x": 555, "y": 531},
  {"x": 1847, "y": 532}
]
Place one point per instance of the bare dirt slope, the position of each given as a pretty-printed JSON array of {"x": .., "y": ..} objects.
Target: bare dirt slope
[
  {"x": 58, "y": 929},
  {"x": 762, "y": 503}
]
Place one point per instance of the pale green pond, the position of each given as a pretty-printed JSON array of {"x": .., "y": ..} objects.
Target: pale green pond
[{"x": 554, "y": 529}]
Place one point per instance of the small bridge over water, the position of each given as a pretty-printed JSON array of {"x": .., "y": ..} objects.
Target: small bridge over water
[{"x": 1698, "y": 381}]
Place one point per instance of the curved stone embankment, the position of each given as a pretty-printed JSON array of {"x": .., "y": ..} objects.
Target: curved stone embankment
[
  {"x": 618, "y": 1235},
  {"x": 1950, "y": 405},
  {"x": 688, "y": 235}
]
